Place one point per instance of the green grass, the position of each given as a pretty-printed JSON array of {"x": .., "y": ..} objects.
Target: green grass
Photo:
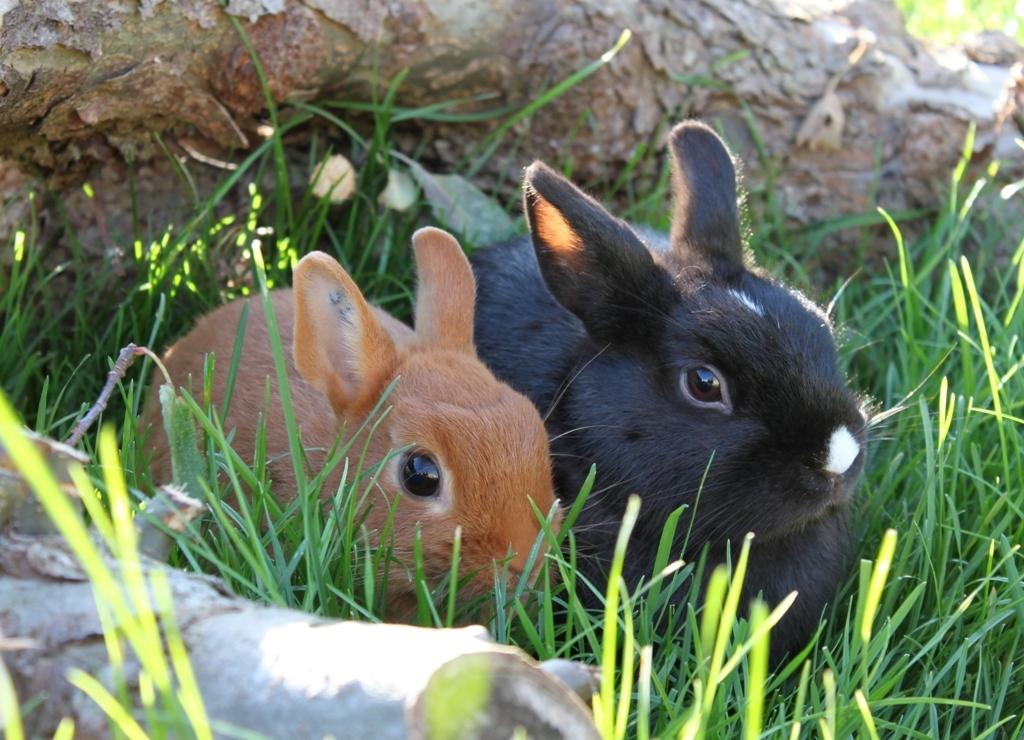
[
  {"x": 926, "y": 638},
  {"x": 946, "y": 20}
]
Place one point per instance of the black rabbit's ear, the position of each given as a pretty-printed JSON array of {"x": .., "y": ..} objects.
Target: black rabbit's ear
[
  {"x": 593, "y": 263},
  {"x": 705, "y": 224}
]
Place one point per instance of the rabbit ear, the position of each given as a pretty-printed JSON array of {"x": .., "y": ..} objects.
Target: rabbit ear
[
  {"x": 593, "y": 263},
  {"x": 446, "y": 293},
  {"x": 705, "y": 225},
  {"x": 340, "y": 348}
]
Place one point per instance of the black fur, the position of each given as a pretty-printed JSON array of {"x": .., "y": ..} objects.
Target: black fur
[
  {"x": 705, "y": 222},
  {"x": 600, "y": 344},
  {"x": 614, "y": 269}
]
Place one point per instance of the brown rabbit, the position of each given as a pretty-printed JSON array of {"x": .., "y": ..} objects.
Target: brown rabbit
[{"x": 478, "y": 451}]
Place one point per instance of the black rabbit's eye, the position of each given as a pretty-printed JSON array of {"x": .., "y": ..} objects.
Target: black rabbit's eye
[
  {"x": 703, "y": 385},
  {"x": 421, "y": 475}
]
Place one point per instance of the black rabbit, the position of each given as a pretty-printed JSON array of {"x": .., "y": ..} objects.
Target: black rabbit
[{"x": 671, "y": 361}]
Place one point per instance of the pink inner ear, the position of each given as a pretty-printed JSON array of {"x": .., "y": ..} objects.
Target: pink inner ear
[
  {"x": 328, "y": 338},
  {"x": 340, "y": 347},
  {"x": 554, "y": 230}
]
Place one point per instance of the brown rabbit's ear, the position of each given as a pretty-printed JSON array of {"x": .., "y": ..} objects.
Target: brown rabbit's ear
[
  {"x": 446, "y": 293},
  {"x": 593, "y": 263},
  {"x": 705, "y": 224},
  {"x": 340, "y": 348}
]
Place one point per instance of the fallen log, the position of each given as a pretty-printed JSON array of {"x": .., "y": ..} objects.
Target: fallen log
[
  {"x": 836, "y": 107},
  {"x": 274, "y": 671},
  {"x": 277, "y": 672}
]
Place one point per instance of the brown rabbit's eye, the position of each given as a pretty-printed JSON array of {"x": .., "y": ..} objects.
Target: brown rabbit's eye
[
  {"x": 703, "y": 385},
  {"x": 421, "y": 475}
]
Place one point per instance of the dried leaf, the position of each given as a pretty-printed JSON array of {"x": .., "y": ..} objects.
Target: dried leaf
[
  {"x": 823, "y": 127},
  {"x": 334, "y": 178},
  {"x": 170, "y": 509},
  {"x": 462, "y": 206},
  {"x": 400, "y": 192}
]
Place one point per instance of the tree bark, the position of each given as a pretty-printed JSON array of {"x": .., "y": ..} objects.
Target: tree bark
[{"x": 80, "y": 80}]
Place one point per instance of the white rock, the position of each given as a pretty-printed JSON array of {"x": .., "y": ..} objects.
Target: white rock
[{"x": 334, "y": 178}]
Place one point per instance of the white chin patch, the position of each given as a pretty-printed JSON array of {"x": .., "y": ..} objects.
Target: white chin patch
[
  {"x": 842, "y": 451},
  {"x": 747, "y": 301}
]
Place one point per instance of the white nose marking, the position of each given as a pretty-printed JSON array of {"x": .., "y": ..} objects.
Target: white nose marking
[{"x": 842, "y": 451}]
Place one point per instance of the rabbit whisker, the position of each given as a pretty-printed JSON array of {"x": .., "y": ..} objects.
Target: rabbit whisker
[
  {"x": 584, "y": 428},
  {"x": 564, "y": 387},
  {"x": 569, "y": 455}
]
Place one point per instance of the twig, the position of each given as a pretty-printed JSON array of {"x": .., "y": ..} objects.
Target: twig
[{"x": 124, "y": 360}]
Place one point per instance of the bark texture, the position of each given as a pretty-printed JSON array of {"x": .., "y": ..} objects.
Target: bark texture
[
  {"x": 274, "y": 671},
  {"x": 277, "y": 672},
  {"x": 80, "y": 81}
]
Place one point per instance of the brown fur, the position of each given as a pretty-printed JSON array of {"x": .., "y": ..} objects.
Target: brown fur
[{"x": 488, "y": 439}]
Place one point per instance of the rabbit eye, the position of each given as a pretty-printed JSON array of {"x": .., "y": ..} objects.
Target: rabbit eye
[
  {"x": 703, "y": 385},
  {"x": 421, "y": 475}
]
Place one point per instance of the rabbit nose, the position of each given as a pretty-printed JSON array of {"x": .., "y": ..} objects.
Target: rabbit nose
[
  {"x": 520, "y": 556},
  {"x": 840, "y": 452},
  {"x": 518, "y": 563},
  {"x": 520, "y": 548}
]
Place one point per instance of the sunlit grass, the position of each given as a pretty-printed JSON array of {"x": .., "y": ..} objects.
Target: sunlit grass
[
  {"x": 946, "y": 20},
  {"x": 130, "y": 618}
]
